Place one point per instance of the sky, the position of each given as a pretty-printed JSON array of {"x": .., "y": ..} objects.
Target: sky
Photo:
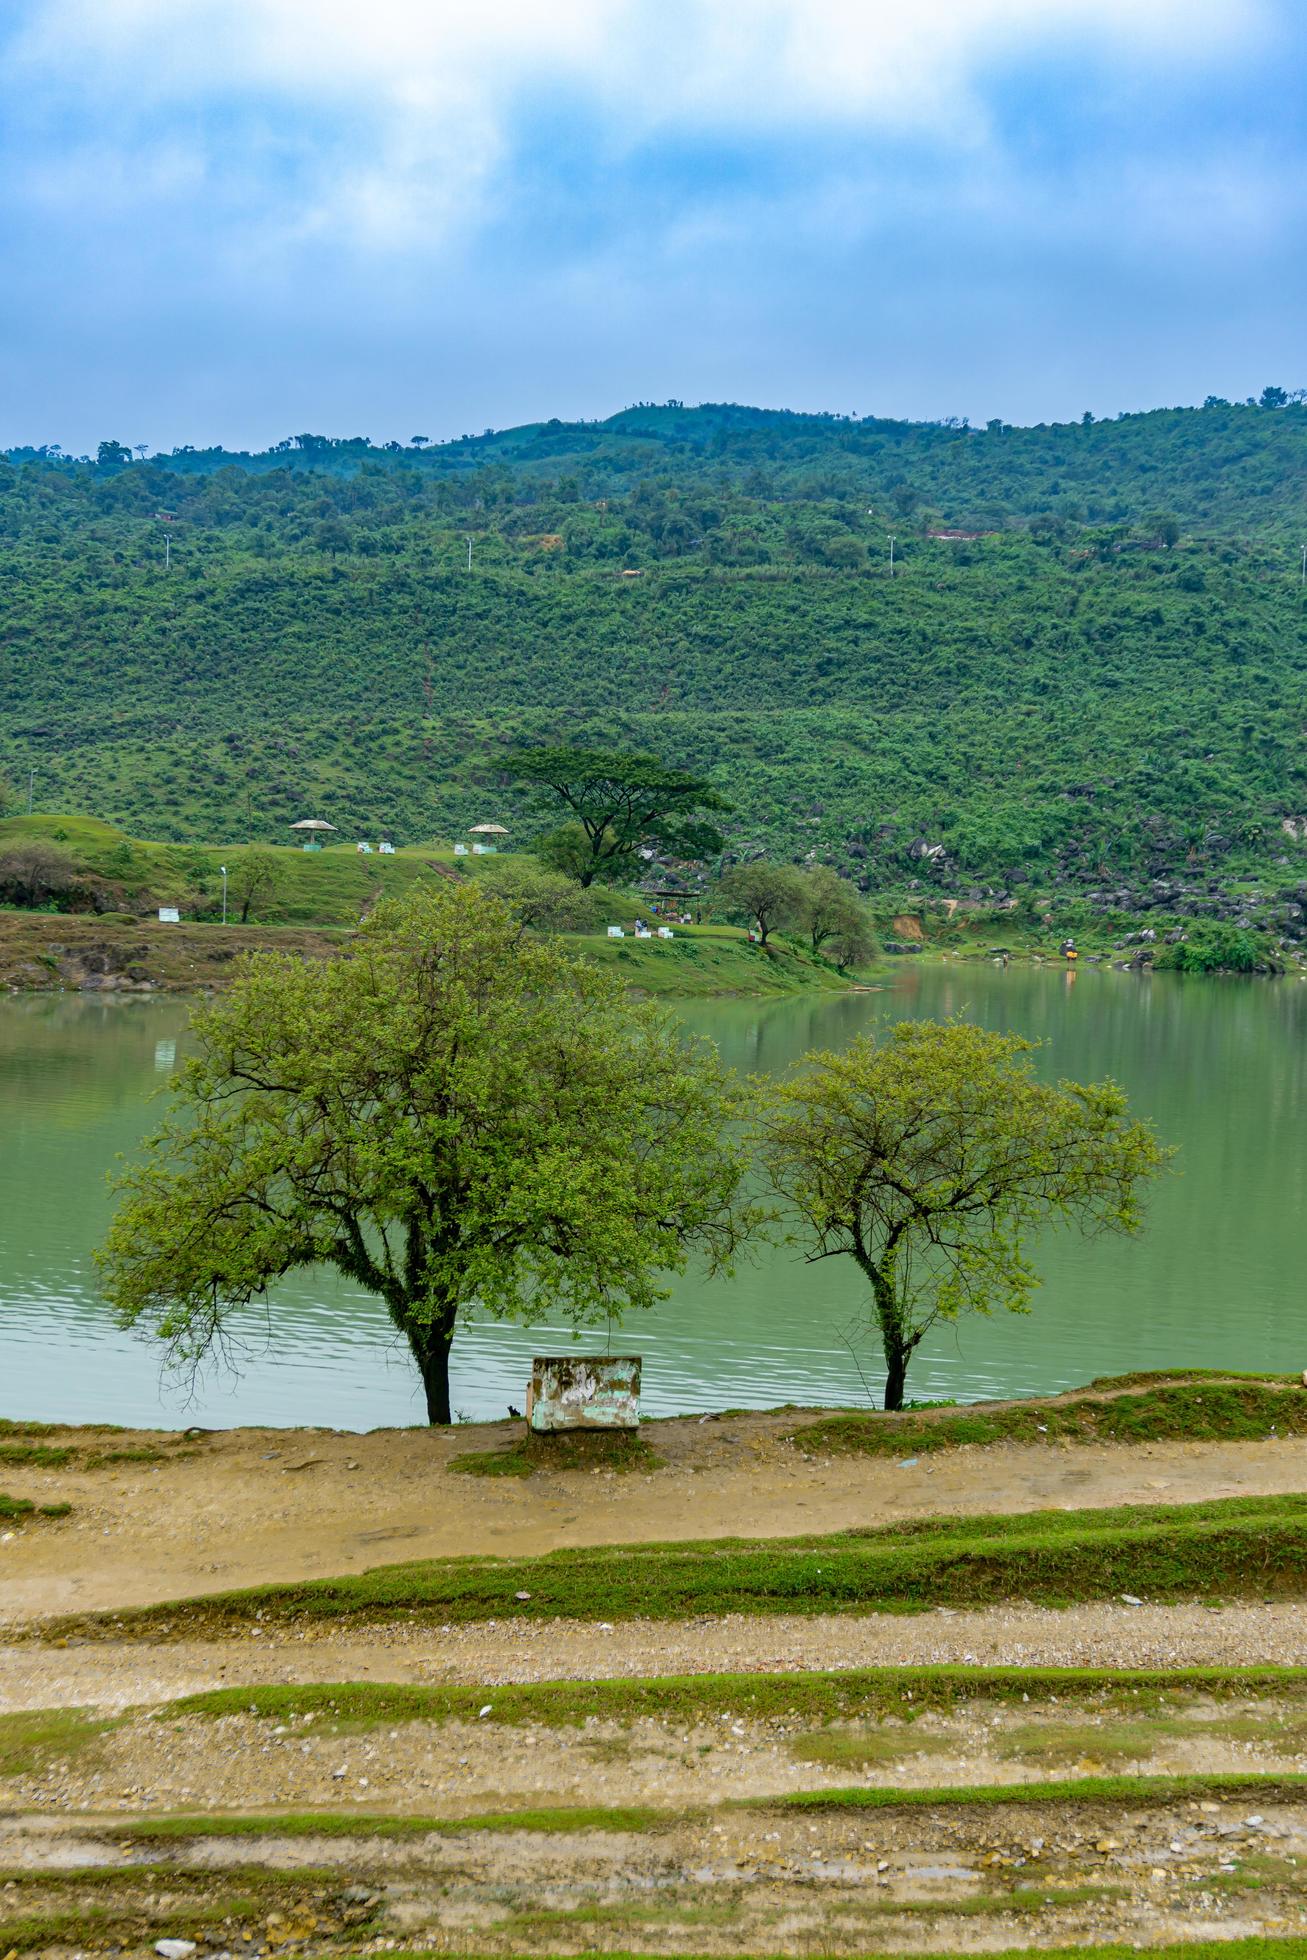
[{"x": 237, "y": 220}]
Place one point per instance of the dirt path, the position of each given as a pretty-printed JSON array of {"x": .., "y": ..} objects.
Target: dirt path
[
  {"x": 246, "y": 1506},
  {"x": 110, "y": 1676},
  {"x": 1043, "y": 1874}
]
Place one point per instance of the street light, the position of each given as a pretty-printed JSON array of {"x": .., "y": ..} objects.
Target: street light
[{"x": 223, "y": 869}]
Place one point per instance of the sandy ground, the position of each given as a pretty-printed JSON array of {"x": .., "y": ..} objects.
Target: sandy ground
[{"x": 241, "y": 1507}]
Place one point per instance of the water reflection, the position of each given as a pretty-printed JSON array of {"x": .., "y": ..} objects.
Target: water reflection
[{"x": 1219, "y": 1066}]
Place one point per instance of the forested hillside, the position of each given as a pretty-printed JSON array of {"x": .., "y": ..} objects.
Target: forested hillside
[{"x": 1109, "y": 681}]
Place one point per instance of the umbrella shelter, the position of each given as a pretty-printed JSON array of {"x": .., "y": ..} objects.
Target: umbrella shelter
[
  {"x": 311, "y": 827},
  {"x": 486, "y": 834}
]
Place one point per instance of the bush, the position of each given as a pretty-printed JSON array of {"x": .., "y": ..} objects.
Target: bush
[
  {"x": 33, "y": 872},
  {"x": 1215, "y": 948}
]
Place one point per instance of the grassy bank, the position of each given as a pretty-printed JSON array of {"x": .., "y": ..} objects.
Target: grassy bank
[
  {"x": 1096, "y": 1791},
  {"x": 319, "y": 897},
  {"x": 1232, "y": 1548},
  {"x": 843, "y": 1695},
  {"x": 1207, "y": 1408}
]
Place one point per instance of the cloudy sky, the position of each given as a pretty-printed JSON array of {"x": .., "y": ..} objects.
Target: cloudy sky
[{"x": 233, "y": 220}]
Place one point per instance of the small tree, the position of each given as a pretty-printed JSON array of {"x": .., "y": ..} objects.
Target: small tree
[
  {"x": 831, "y": 909},
  {"x": 33, "y": 871},
  {"x": 770, "y": 895},
  {"x": 454, "y": 1114},
  {"x": 255, "y": 877},
  {"x": 622, "y": 801},
  {"x": 926, "y": 1156},
  {"x": 540, "y": 899}
]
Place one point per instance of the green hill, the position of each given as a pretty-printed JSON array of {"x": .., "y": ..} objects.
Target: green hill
[{"x": 1107, "y": 684}]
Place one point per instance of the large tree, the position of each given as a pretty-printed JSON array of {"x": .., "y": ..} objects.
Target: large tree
[
  {"x": 832, "y": 914},
  {"x": 622, "y": 801},
  {"x": 454, "y": 1114},
  {"x": 769, "y": 896},
  {"x": 927, "y": 1155}
]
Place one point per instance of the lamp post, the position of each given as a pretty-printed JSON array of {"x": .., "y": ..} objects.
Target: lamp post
[{"x": 223, "y": 869}]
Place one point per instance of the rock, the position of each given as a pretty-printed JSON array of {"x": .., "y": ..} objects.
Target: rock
[{"x": 174, "y": 1949}]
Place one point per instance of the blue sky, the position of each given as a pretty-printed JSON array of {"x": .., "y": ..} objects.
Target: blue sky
[{"x": 233, "y": 220}]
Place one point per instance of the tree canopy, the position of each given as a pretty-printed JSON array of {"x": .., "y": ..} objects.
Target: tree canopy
[
  {"x": 621, "y": 801},
  {"x": 929, "y": 1153},
  {"x": 454, "y": 1114},
  {"x": 769, "y": 896}
]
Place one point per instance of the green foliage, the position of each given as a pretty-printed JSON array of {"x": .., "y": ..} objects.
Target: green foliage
[
  {"x": 619, "y": 802},
  {"x": 567, "y": 850},
  {"x": 34, "y": 871},
  {"x": 768, "y": 896},
  {"x": 928, "y": 1155},
  {"x": 256, "y": 877},
  {"x": 1212, "y": 946},
  {"x": 1062, "y": 694},
  {"x": 540, "y": 898},
  {"x": 834, "y": 917},
  {"x": 456, "y": 1115}
]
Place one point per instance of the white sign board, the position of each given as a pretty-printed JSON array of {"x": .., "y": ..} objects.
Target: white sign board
[{"x": 169, "y": 915}]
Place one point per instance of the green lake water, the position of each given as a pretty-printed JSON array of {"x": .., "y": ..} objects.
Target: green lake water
[{"x": 1216, "y": 1279}]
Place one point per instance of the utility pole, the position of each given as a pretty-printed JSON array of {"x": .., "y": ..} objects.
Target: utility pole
[
  {"x": 167, "y": 551},
  {"x": 223, "y": 869},
  {"x": 31, "y": 785},
  {"x": 1302, "y": 580},
  {"x": 469, "y": 554},
  {"x": 891, "y": 557}
]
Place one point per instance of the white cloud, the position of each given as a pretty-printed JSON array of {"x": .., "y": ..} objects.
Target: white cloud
[{"x": 408, "y": 107}]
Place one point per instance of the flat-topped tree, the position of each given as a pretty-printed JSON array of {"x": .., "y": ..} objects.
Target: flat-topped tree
[
  {"x": 621, "y": 801},
  {"x": 927, "y": 1154},
  {"x": 455, "y": 1114}
]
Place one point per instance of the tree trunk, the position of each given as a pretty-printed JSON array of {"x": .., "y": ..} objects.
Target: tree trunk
[
  {"x": 896, "y": 1340},
  {"x": 896, "y": 1373},
  {"x": 431, "y": 1342}
]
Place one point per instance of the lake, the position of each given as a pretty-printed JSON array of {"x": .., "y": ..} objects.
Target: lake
[{"x": 1220, "y": 1066}]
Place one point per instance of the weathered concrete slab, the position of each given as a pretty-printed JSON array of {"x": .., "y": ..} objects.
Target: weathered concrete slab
[{"x": 584, "y": 1391}]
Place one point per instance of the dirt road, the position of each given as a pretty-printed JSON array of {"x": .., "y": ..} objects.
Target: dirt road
[{"x": 181, "y": 1516}]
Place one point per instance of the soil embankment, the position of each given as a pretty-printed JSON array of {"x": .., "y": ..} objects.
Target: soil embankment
[
  {"x": 86, "y": 954},
  {"x": 157, "y": 1515}
]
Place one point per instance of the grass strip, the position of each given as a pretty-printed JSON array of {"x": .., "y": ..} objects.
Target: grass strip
[
  {"x": 1098, "y": 1790},
  {"x": 823, "y": 1696},
  {"x": 560, "y": 1819},
  {"x": 1233, "y": 1547},
  {"x": 1137, "y": 1790},
  {"x": 1289, "y": 1946},
  {"x": 1197, "y": 1410},
  {"x": 31, "y": 1738},
  {"x": 23, "y": 1507}
]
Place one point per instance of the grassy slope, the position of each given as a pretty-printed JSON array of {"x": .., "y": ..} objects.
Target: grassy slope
[
  {"x": 1235, "y": 1547},
  {"x": 319, "y": 894},
  {"x": 1057, "y": 694}
]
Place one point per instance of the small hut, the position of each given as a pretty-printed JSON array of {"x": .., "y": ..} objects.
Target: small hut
[
  {"x": 311, "y": 828},
  {"x": 486, "y": 835}
]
